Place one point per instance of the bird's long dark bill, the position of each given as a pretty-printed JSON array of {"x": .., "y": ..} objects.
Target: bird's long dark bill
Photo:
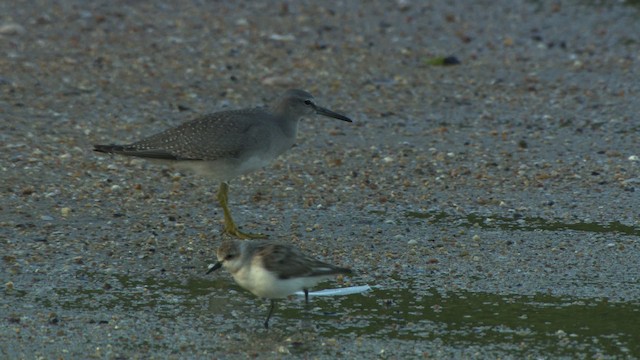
[
  {"x": 329, "y": 113},
  {"x": 215, "y": 267}
]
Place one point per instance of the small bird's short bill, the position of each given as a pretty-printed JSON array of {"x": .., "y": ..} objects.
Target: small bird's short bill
[{"x": 214, "y": 267}]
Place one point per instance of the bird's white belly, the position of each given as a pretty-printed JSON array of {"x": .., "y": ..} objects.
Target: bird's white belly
[
  {"x": 264, "y": 284},
  {"x": 223, "y": 170},
  {"x": 227, "y": 169}
]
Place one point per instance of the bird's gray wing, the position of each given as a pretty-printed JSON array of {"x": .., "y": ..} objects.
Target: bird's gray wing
[
  {"x": 289, "y": 262},
  {"x": 130, "y": 150},
  {"x": 221, "y": 135}
]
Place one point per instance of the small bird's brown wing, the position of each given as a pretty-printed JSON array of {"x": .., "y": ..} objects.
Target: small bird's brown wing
[
  {"x": 289, "y": 262},
  {"x": 222, "y": 135}
]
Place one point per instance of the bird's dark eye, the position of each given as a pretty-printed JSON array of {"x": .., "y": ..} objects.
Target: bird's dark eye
[
  {"x": 308, "y": 102},
  {"x": 228, "y": 257}
]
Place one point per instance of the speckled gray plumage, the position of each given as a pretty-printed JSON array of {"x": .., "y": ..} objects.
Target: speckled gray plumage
[{"x": 225, "y": 134}]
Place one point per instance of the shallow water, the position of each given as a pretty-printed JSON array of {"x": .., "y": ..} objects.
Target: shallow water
[
  {"x": 523, "y": 223},
  {"x": 553, "y": 325}
]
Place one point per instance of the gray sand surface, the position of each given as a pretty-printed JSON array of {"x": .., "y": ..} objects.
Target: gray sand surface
[{"x": 493, "y": 204}]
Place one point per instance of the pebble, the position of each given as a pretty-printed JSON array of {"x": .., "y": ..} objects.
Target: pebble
[
  {"x": 278, "y": 81},
  {"x": 278, "y": 37},
  {"x": 12, "y": 29},
  {"x": 403, "y": 5}
]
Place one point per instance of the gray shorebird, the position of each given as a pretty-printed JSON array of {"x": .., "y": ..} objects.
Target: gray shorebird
[
  {"x": 227, "y": 144},
  {"x": 273, "y": 271}
]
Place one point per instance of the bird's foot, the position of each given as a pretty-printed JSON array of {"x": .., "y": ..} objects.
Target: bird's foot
[{"x": 235, "y": 232}]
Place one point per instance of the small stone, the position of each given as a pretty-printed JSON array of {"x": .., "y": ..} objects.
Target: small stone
[
  {"x": 278, "y": 37},
  {"x": 46, "y": 218},
  {"x": 8, "y": 285},
  {"x": 12, "y": 29},
  {"x": 65, "y": 211},
  {"x": 412, "y": 242},
  {"x": 277, "y": 81},
  {"x": 634, "y": 158},
  {"x": 451, "y": 60},
  {"x": 13, "y": 319},
  {"x": 403, "y": 5}
]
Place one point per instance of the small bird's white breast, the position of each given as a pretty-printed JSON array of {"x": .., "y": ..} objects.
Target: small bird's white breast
[{"x": 266, "y": 284}]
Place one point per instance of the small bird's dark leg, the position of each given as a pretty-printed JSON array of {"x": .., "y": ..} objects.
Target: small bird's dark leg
[
  {"x": 306, "y": 305},
  {"x": 273, "y": 306}
]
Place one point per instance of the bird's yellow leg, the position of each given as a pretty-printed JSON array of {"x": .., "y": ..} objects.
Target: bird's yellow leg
[{"x": 229, "y": 225}]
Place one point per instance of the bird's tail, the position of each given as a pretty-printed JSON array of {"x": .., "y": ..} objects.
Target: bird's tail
[{"x": 108, "y": 149}]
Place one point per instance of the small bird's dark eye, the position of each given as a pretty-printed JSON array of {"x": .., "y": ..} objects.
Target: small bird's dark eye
[
  {"x": 308, "y": 102},
  {"x": 228, "y": 257}
]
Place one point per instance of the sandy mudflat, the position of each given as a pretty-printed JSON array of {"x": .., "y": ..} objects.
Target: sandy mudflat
[{"x": 494, "y": 203}]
